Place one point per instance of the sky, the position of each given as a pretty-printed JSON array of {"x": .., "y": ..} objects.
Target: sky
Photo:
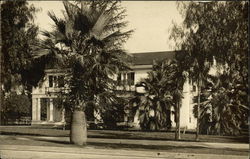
[{"x": 150, "y": 20}]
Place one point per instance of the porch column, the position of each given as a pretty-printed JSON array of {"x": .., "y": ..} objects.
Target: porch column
[
  {"x": 38, "y": 109},
  {"x": 51, "y": 114},
  {"x": 34, "y": 110},
  {"x": 122, "y": 78},
  {"x": 63, "y": 115},
  {"x": 48, "y": 109},
  {"x": 125, "y": 80}
]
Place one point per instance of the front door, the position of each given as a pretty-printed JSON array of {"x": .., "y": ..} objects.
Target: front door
[{"x": 44, "y": 103}]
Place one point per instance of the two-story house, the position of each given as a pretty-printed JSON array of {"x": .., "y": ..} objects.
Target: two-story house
[{"x": 45, "y": 110}]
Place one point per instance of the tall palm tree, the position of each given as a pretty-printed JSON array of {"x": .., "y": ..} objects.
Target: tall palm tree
[
  {"x": 197, "y": 64},
  {"x": 198, "y": 74},
  {"x": 89, "y": 41},
  {"x": 198, "y": 36},
  {"x": 177, "y": 80},
  {"x": 177, "y": 92}
]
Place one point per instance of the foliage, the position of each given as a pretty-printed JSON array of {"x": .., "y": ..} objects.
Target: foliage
[
  {"x": 215, "y": 33},
  {"x": 14, "y": 106},
  {"x": 162, "y": 92},
  {"x": 89, "y": 41},
  {"x": 19, "y": 35},
  {"x": 111, "y": 110},
  {"x": 219, "y": 110}
]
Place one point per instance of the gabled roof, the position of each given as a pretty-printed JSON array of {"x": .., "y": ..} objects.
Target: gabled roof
[{"x": 148, "y": 57}]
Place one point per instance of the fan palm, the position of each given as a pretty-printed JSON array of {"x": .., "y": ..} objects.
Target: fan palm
[{"x": 89, "y": 41}]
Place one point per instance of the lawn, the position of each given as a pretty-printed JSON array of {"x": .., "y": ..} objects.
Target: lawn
[
  {"x": 18, "y": 136},
  {"x": 115, "y": 134}
]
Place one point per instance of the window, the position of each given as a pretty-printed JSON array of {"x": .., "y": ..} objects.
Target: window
[
  {"x": 119, "y": 79},
  {"x": 131, "y": 78},
  {"x": 194, "y": 88},
  {"x": 60, "y": 81},
  {"x": 56, "y": 81},
  {"x": 126, "y": 78},
  {"x": 50, "y": 81}
]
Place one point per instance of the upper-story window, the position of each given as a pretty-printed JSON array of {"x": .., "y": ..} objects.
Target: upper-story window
[
  {"x": 126, "y": 78},
  {"x": 119, "y": 79},
  {"x": 194, "y": 88},
  {"x": 60, "y": 81},
  {"x": 56, "y": 81},
  {"x": 131, "y": 78},
  {"x": 50, "y": 81}
]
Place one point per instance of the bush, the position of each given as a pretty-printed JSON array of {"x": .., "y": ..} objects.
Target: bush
[{"x": 15, "y": 106}]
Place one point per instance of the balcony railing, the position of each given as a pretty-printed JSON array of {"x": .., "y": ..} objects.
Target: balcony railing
[{"x": 56, "y": 90}]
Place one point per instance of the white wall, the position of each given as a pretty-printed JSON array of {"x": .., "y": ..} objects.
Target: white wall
[
  {"x": 184, "y": 112},
  {"x": 140, "y": 74}
]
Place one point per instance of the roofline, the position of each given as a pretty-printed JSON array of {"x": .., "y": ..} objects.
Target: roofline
[
  {"x": 56, "y": 70},
  {"x": 141, "y": 66},
  {"x": 153, "y": 52}
]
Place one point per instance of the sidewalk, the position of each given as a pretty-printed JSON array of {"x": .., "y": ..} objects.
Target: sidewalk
[
  {"x": 39, "y": 152},
  {"x": 141, "y": 149}
]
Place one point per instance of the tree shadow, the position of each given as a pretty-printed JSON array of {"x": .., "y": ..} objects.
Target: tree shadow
[
  {"x": 152, "y": 147},
  {"x": 171, "y": 148},
  {"x": 29, "y": 134},
  {"x": 54, "y": 141},
  {"x": 132, "y": 136}
]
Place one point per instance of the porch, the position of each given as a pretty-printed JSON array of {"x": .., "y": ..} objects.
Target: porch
[{"x": 46, "y": 111}]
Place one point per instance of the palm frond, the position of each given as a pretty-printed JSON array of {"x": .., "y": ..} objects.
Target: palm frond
[
  {"x": 70, "y": 9},
  {"x": 100, "y": 24}
]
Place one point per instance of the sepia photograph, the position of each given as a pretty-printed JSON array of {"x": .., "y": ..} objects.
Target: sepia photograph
[{"x": 117, "y": 79}]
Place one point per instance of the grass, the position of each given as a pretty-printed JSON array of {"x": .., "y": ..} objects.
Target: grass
[
  {"x": 159, "y": 148},
  {"x": 115, "y": 134},
  {"x": 18, "y": 136}
]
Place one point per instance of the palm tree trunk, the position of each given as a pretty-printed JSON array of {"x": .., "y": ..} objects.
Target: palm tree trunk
[
  {"x": 179, "y": 116},
  {"x": 176, "y": 123},
  {"x": 198, "y": 111},
  {"x": 78, "y": 132},
  {"x": 177, "y": 129}
]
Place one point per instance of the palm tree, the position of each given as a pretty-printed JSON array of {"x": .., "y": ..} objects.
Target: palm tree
[
  {"x": 198, "y": 37},
  {"x": 193, "y": 64},
  {"x": 177, "y": 91},
  {"x": 162, "y": 92},
  {"x": 89, "y": 41},
  {"x": 225, "y": 114},
  {"x": 178, "y": 67},
  {"x": 177, "y": 97},
  {"x": 197, "y": 63},
  {"x": 154, "y": 105},
  {"x": 198, "y": 74}
]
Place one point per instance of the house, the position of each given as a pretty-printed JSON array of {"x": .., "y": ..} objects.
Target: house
[{"x": 45, "y": 110}]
